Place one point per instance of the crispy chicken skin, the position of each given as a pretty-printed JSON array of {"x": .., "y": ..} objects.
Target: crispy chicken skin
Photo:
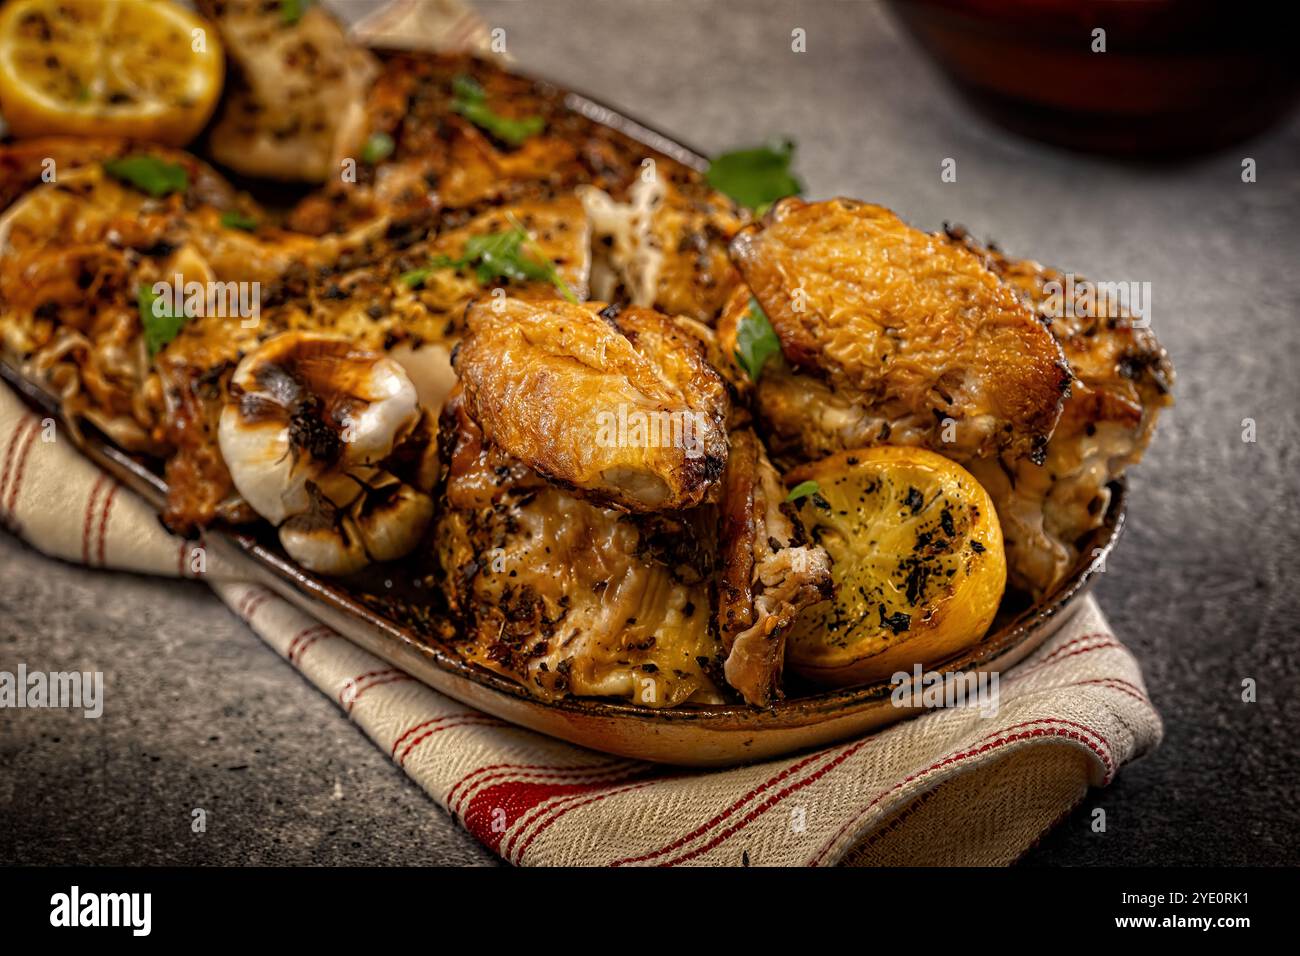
[
  {"x": 580, "y": 564},
  {"x": 567, "y": 596},
  {"x": 1123, "y": 378},
  {"x": 619, "y": 406},
  {"x": 296, "y": 102},
  {"x": 890, "y": 334},
  {"x": 444, "y": 169}
]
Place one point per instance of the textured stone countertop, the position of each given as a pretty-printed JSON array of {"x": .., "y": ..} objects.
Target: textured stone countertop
[{"x": 1202, "y": 588}]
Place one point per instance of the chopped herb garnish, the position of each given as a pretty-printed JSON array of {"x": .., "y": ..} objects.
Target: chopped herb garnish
[
  {"x": 898, "y": 622},
  {"x": 756, "y": 178},
  {"x": 378, "y": 147},
  {"x": 233, "y": 219},
  {"x": 149, "y": 174},
  {"x": 470, "y": 100},
  {"x": 497, "y": 255},
  {"x": 291, "y": 11},
  {"x": 159, "y": 323},
  {"x": 756, "y": 341},
  {"x": 465, "y": 87},
  {"x": 803, "y": 490},
  {"x": 415, "y": 278}
]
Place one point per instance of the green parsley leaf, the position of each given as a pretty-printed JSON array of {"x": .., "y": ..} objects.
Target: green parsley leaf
[
  {"x": 149, "y": 174},
  {"x": 756, "y": 178},
  {"x": 233, "y": 219},
  {"x": 497, "y": 255},
  {"x": 291, "y": 11},
  {"x": 415, "y": 278},
  {"x": 465, "y": 87},
  {"x": 378, "y": 147},
  {"x": 756, "y": 341},
  {"x": 470, "y": 101},
  {"x": 501, "y": 255},
  {"x": 160, "y": 325},
  {"x": 803, "y": 490}
]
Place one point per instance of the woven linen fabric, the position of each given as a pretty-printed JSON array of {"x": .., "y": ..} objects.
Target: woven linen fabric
[{"x": 948, "y": 787}]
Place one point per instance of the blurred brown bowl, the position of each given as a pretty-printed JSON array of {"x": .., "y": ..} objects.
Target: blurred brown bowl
[{"x": 1177, "y": 76}]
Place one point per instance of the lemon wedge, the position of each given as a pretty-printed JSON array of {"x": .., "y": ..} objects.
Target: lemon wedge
[
  {"x": 917, "y": 563},
  {"x": 142, "y": 69}
]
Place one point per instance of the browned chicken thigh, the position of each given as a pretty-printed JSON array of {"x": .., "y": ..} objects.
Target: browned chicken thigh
[
  {"x": 892, "y": 335},
  {"x": 617, "y": 405},
  {"x": 1122, "y": 379},
  {"x": 568, "y": 596},
  {"x": 634, "y": 564}
]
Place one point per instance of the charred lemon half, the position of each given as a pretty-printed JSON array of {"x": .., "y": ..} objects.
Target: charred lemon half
[
  {"x": 133, "y": 68},
  {"x": 917, "y": 563}
]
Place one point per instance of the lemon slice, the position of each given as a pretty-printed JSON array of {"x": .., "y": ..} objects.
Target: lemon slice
[
  {"x": 143, "y": 69},
  {"x": 917, "y": 563}
]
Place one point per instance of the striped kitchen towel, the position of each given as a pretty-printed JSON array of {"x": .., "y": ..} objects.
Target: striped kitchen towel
[{"x": 948, "y": 787}]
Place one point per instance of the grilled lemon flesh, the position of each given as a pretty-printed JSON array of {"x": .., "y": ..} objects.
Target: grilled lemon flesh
[
  {"x": 131, "y": 68},
  {"x": 917, "y": 563}
]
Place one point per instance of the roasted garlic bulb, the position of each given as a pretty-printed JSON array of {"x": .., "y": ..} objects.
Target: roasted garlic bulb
[{"x": 313, "y": 434}]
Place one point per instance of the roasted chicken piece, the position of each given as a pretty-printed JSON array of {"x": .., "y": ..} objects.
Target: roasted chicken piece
[
  {"x": 74, "y": 255},
  {"x": 617, "y": 405},
  {"x": 768, "y": 572},
  {"x": 445, "y": 167},
  {"x": 80, "y": 260},
  {"x": 584, "y": 561},
  {"x": 29, "y": 163},
  {"x": 1122, "y": 379},
  {"x": 295, "y": 101},
  {"x": 666, "y": 246},
  {"x": 567, "y": 596},
  {"x": 891, "y": 335}
]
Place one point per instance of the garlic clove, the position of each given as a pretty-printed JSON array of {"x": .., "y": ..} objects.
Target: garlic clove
[
  {"x": 390, "y": 409},
  {"x": 429, "y": 368},
  {"x": 262, "y": 464},
  {"x": 342, "y": 488},
  {"x": 309, "y": 416},
  {"x": 392, "y": 518},
  {"x": 323, "y": 545}
]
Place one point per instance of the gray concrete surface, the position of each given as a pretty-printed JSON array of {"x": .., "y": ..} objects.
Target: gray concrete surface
[{"x": 1203, "y": 588}]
